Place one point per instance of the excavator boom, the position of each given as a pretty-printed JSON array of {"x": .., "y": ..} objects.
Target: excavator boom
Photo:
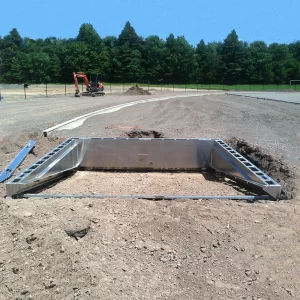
[{"x": 90, "y": 90}]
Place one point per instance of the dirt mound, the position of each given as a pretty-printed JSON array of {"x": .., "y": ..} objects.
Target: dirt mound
[
  {"x": 273, "y": 167},
  {"x": 136, "y": 90},
  {"x": 144, "y": 134}
]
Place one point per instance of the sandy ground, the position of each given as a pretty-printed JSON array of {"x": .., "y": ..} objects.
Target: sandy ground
[
  {"x": 138, "y": 249},
  {"x": 128, "y": 183}
]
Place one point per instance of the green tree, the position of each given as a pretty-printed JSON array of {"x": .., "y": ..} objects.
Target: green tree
[
  {"x": 181, "y": 60},
  {"x": 231, "y": 56},
  {"x": 154, "y": 54},
  {"x": 9, "y": 47},
  {"x": 283, "y": 64},
  {"x": 129, "y": 36},
  {"x": 259, "y": 68},
  {"x": 129, "y": 56},
  {"x": 87, "y": 34},
  {"x": 209, "y": 65}
]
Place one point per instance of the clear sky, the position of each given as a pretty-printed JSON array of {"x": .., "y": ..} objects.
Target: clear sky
[{"x": 211, "y": 20}]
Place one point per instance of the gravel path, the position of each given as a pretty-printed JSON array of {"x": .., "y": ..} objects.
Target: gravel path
[{"x": 36, "y": 114}]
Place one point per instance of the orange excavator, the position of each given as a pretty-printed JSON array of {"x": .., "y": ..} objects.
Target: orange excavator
[{"x": 93, "y": 89}]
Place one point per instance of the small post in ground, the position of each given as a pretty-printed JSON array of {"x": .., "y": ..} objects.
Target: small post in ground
[
  {"x": 46, "y": 91},
  {"x": 110, "y": 88},
  {"x": 25, "y": 91},
  {"x": 173, "y": 87},
  {"x": 65, "y": 89}
]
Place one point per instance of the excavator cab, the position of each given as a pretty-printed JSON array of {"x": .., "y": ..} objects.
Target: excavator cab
[{"x": 93, "y": 89}]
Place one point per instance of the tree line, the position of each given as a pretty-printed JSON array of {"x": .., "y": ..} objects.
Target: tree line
[{"x": 131, "y": 58}]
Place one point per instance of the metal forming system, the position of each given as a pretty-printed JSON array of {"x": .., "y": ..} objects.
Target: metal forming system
[
  {"x": 142, "y": 155},
  {"x": 8, "y": 172}
]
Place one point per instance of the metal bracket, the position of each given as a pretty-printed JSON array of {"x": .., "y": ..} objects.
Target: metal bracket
[{"x": 8, "y": 172}]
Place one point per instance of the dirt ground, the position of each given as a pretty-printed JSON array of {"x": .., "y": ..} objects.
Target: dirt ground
[
  {"x": 129, "y": 183},
  {"x": 136, "y": 90},
  {"x": 141, "y": 249}
]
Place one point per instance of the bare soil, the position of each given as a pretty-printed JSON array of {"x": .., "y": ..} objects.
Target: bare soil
[
  {"x": 138, "y": 249},
  {"x": 140, "y": 133},
  {"x": 135, "y": 90},
  {"x": 129, "y": 183}
]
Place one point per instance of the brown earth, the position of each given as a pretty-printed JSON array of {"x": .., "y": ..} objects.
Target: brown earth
[
  {"x": 139, "y": 133},
  {"x": 151, "y": 183},
  {"x": 135, "y": 90},
  {"x": 138, "y": 249}
]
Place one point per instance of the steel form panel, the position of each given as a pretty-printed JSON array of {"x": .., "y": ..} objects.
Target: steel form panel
[{"x": 142, "y": 155}]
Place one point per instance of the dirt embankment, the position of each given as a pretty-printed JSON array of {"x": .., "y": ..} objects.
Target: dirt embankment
[{"x": 269, "y": 164}]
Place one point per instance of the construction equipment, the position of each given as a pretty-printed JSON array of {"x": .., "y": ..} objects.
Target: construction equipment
[
  {"x": 125, "y": 154},
  {"x": 93, "y": 89}
]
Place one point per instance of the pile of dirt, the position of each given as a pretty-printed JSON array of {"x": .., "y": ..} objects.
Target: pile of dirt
[
  {"x": 272, "y": 166},
  {"x": 136, "y": 90},
  {"x": 144, "y": 134}
]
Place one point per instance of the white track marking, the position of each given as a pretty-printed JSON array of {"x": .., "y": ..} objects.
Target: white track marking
[{"x": 79, "y": 121}]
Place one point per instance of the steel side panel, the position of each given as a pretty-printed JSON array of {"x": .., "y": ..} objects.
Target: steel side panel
[
  {"x": 141, "y": 154},
  {"x": 155, "y": 154},
  {"x": 226, "y": 160},
  {"x": 54, "y": 163}
]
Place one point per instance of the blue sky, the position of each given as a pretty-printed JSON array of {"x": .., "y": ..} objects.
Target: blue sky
[{"x": 211, "y": 20}]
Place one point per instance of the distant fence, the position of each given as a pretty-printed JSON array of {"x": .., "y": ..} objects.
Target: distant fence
[{"x": 52, "y": 90}]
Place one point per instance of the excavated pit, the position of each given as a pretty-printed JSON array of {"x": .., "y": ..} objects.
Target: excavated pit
[{"x": 272, "y": 166}]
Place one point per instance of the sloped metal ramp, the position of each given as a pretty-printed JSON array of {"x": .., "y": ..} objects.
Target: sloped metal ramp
[{"x": 142, "y": 155}]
